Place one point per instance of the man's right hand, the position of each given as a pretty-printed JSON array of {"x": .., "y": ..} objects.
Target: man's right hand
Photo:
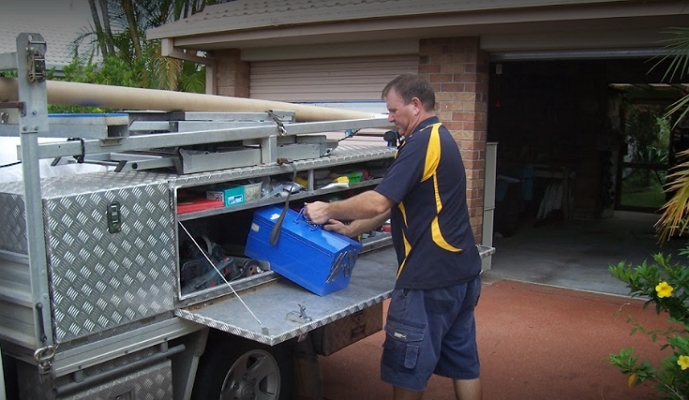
[{"x": 317, "y": 212}]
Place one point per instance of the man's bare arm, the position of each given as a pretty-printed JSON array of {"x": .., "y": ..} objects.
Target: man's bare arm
[
  {"x": 368, "y": 204},
  {"x": 358, "y": 226}
]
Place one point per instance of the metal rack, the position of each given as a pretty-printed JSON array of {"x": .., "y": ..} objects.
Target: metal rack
[
  {"x": 159, "y": 148},
  {"x": 32, "y": 113}
]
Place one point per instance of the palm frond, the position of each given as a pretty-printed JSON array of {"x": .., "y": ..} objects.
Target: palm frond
[
  {"x": 677, "y": 54},
  {"x": 673, "y": 219}
]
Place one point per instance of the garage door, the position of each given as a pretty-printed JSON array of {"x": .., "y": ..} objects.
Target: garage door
[{"x": 357, "y": 79}]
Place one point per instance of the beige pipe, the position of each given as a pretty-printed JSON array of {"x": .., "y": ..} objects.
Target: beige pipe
[{"x": 127, "y": 98}]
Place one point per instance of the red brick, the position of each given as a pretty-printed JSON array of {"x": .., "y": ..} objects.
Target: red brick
[
  {"x": 464, "y": 97},
  {"x": 452, "y": 87},
  {"x": 468, "y": 163},
  {"x": 452, "y": 125},
  {"x": 466, "y": 77},
  {"x": 441, "y": 78},
  {"x": 444, "y": 59},
  {"x": 453, "y": 68},
  {"x": 452, "y": 106},
  {"x": 454, "y": 48},
  {"x": 441, "y": 96},
  {"x": 473, "y": 203},
  {"x": 444, "y": 116},
  {"x": 473, "y": 145},
  {"x": 429, "y": 69},
  {"x": 474, "y": 126}
]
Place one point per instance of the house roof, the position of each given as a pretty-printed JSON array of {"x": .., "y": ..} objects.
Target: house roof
[
  {"x": 59, "y": 37},
  {"x": 249, "y": 14},
  {"x": 502, "y": 25}
]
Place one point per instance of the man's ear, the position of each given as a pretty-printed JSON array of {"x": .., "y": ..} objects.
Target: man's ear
[{"x": 418, "y": 106}]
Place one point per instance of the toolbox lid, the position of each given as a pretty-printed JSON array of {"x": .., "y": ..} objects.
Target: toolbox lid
[
  {"x": 277, "y": 304},
  {"x": 296, "y": 225}
]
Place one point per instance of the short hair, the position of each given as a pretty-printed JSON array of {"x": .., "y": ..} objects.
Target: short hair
[{"x": 409, "y": 86}]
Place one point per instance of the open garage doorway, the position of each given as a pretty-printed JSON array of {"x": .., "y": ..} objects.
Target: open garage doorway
[
  {"x": 584, "y": 154},
  {"x": 579, "y": 139}
]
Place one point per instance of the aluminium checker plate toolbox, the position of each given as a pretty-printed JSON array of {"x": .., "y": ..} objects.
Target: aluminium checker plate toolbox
[{"x": 98, "y": 278}]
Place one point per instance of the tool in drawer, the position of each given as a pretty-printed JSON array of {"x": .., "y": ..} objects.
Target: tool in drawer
[{"x": 264, "y": 329}]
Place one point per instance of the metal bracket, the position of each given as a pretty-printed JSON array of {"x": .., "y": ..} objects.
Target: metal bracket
[
  {"x": 299, "y": 316},
  {"x": 36, "y": 61},
  {"x": 19, "y": 105},
  {"x": 278, "y": 121}
]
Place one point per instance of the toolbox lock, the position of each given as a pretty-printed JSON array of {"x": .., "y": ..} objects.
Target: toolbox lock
[{"x": 114, "y": 217}]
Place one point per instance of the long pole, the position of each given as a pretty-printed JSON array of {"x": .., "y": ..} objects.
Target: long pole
[{"x": 127, "y": 98}]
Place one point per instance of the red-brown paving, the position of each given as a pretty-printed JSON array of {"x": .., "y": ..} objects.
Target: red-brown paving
[{"x": 535, "y": 342}]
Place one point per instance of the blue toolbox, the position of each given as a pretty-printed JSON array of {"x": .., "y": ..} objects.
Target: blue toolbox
[{"x": 318, "y": 260}]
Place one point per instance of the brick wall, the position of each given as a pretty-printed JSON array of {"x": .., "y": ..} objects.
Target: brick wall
[
  {"x": 231, "y": 74},
  {"x": 458, "y": 71}
]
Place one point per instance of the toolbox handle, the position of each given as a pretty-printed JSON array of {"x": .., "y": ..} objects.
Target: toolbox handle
[{"x": 301, "y": 215}]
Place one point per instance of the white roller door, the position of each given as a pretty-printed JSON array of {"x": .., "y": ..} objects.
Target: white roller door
[{"x": 327, "y": 80}]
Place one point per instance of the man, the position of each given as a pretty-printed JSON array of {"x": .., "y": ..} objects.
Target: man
[{"x": 430, "y": 324}]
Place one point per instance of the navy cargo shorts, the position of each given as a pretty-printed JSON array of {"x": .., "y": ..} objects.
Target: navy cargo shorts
[{"x": 431, "y": 331}]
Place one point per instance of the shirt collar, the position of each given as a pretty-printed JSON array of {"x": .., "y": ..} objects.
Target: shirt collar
[{"x": 426, "y": 123}]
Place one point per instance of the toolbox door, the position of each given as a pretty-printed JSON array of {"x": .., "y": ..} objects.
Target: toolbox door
[{"x": 286, "y": 310}]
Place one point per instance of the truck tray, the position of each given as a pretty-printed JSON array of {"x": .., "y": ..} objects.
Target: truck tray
[{"x": 285, "y": 310}]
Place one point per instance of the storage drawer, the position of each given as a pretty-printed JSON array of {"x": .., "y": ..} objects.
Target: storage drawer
[{"x": 348, "y": 330}]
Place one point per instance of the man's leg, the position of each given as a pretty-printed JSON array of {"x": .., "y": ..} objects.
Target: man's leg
[
  {"x": 399, "y": 393},
  {"x": 468, "y": 389}
]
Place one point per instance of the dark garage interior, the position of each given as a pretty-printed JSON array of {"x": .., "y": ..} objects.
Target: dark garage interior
[
  {"x": 566, "y": 130},
  {"x": 583, "y": 152}
]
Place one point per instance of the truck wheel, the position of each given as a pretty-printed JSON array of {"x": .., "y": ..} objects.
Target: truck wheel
[{"x": 234, "y": 368}]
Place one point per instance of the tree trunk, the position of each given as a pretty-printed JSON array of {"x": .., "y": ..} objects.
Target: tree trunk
[
  {"x": 106, "y": 25},
  {"x": 98, "y": 27},
  {"x": 128, "y": 8}
]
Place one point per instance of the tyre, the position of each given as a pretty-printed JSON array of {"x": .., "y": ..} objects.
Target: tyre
[{"x": 236, "y": 368}]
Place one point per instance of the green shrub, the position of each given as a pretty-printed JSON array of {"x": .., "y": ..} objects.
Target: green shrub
[{"x": 665, "y": 285}]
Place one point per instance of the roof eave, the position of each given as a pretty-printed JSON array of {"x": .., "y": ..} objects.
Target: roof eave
[{"x": 606, "y": 21}]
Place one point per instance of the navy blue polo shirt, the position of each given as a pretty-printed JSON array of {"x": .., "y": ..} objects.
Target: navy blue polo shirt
[{"x": 430, "y": 224}]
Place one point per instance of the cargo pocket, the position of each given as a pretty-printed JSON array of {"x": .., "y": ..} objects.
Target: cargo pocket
[{"x": 402, "y": 345}]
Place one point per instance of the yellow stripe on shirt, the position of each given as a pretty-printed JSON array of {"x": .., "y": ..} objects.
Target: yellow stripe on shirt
[
  {"x": 430, "y": 172},
  {"x": 407, "y": 246}
]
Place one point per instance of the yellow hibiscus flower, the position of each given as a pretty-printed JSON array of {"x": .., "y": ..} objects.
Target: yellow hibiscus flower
[
  {"x": 664, "y": 290},
  {"x": 683, "y": 362}
]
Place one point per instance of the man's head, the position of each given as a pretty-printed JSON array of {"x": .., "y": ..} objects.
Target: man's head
[{"x": 409, "y": 99}]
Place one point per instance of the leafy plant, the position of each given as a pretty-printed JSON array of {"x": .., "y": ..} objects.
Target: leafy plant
[
  {"x": 118, "y": 32},
  {"x": 665, "y": 285}
]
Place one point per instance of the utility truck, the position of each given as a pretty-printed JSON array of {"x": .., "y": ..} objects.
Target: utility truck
[{"x": 133, "y": 283}]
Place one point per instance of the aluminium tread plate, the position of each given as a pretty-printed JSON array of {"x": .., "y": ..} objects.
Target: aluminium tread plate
[{"x": 372, "y": 281}]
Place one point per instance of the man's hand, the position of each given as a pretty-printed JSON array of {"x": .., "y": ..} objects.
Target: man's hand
[
  {"x": 337, "y": 226},
  {"x": 317, "y": 212}
]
